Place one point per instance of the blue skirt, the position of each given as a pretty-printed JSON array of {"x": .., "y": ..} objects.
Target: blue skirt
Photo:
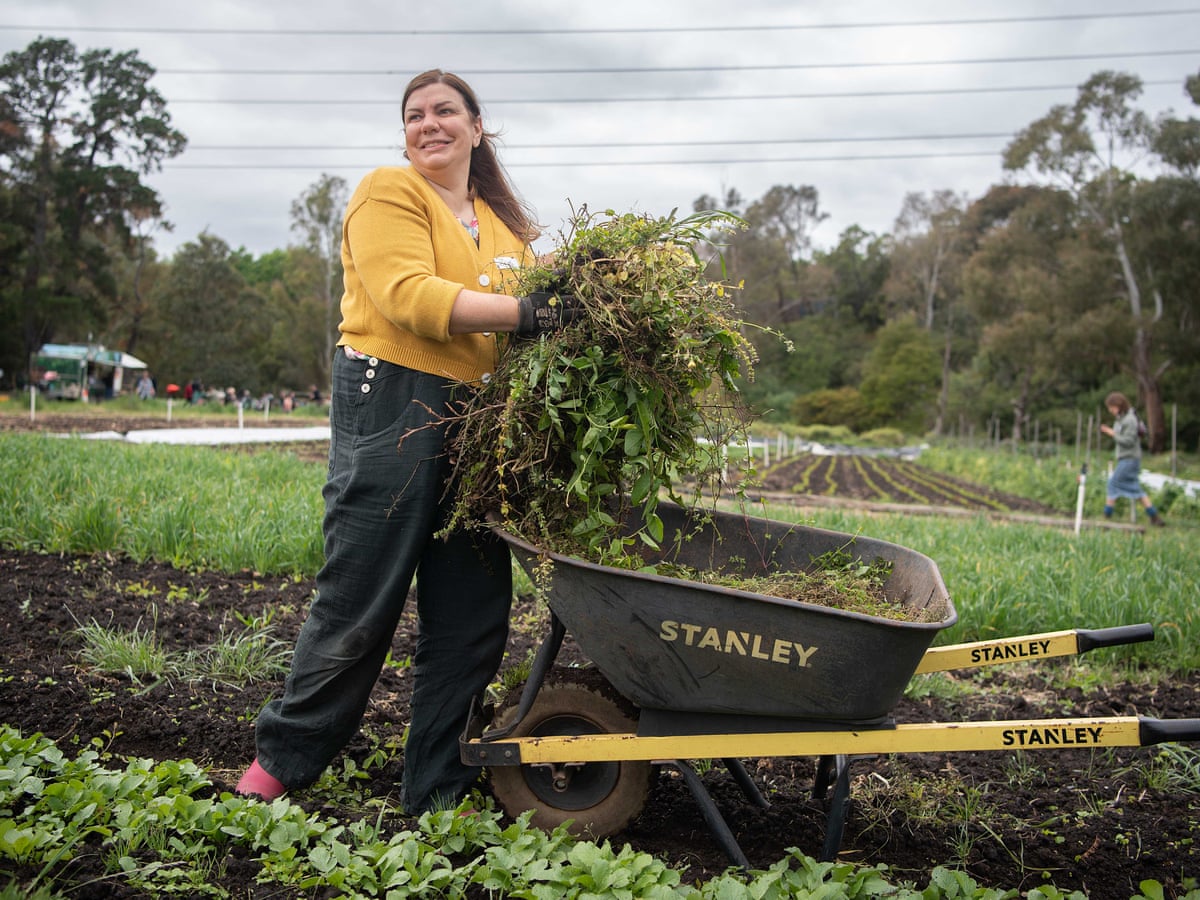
[{"x": 1124, "y": 480}]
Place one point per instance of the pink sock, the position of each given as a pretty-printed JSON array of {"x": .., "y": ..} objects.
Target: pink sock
[{"x": 258, "y": 782}]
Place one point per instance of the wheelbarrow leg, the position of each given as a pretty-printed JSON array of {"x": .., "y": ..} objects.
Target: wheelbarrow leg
[
  {"x": 712, "y": 816},
  {"x": 749, "y": 789},
  {"x": 542, "y": 662},
  {"x": 839, "y": 805}
]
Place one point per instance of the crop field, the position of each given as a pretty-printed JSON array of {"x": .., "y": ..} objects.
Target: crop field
[
  {"x": 152, "y": 593},
  {"x": 882, "y": 479}
]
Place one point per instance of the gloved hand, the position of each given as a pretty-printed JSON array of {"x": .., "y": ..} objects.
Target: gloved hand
[{"x": 543, "y": 311}]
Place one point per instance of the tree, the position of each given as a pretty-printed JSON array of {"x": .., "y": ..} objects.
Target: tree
[
  {"x": 213, "y": 321},
  {"x": 771, "y": 255},
  {"x": 783, "y": 220},
  {"x": 1167, "y": 242},
  {"x": 317, "y": 217},
  {"x": 900, "y": 376},
  {"x": 1177, "y": 141},
  {"x": 81, "y": 131},
  {"x": 294, "y": 357},
  {"x": 859, "y": 266},
  {"x": 1090, "y": 149},
  {"x": 1030, "y": 284},
  {"x": 927, "y": 236}
]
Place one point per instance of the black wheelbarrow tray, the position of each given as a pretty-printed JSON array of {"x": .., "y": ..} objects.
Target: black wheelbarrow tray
[{"x": 685, "y": 670}]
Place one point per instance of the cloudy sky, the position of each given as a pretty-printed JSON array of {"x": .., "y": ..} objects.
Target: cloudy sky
[{"x": 622, "y": 104}]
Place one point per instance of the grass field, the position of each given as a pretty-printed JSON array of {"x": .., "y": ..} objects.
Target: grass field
[
  {"x": 230, "y": 511},
  {"x": 234, "y": 511}
]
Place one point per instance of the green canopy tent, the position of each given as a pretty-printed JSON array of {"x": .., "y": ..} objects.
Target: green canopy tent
[{"x": 66, "y": 370}]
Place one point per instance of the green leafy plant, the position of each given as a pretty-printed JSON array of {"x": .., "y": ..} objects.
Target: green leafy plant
[{"x": 162, "y": 831}]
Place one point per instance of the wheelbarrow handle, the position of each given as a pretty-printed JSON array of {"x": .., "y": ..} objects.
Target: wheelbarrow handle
[
  {"x": 1030, "y": 647},
  {"x": 1160, "y": 731},
  {"x": 1092, "y": 638}
]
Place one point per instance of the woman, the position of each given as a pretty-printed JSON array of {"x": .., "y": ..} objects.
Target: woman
[
  {"x": 1124, "y": 481},
  {"x": 429, "y": 252}
]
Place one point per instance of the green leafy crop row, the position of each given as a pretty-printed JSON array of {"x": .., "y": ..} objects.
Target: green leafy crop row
[{"x": 159, "y": 829}]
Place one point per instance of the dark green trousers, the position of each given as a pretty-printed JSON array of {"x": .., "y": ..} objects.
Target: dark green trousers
[{"x": 385, "y": 498}]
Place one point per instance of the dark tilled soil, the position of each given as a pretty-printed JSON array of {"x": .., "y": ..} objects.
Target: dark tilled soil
[
  {"x": 1096, "y": 821},
  {"x": 842, "y": 478}
]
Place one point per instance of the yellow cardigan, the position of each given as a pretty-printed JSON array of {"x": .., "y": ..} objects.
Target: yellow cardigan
[{"x": 406, "y": 257}]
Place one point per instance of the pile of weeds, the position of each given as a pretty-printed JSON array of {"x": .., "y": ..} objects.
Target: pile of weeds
[
  {"x": 579, "y": 433},
  {"x": 837, "y": 580},
  {"x": 634, "y": 400}
]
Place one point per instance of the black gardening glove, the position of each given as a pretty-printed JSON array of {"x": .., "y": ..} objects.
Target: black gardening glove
[{"x": 543, "y": 311}]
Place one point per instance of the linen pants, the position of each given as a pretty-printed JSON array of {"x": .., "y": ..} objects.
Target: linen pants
[{"x": 384, "y": 501}]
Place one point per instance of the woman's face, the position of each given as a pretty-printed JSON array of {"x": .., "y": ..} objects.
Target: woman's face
[{"x": 439, "y": 130}]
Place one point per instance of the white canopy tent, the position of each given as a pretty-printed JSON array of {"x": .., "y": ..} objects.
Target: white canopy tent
[{"x": 69, "y": 366}]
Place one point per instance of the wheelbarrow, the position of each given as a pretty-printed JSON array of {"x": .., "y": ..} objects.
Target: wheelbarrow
[{"x": 685, "y": 670}]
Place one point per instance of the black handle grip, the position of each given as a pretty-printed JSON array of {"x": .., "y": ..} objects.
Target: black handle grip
[
  {"x": 1089, "y": 639},
  {"x": 1158, "y": 731}
]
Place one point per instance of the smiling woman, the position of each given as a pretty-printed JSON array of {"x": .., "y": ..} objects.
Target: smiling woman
[{"x": 430, "y": 253}]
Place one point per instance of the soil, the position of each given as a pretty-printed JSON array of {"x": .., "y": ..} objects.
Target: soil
[
  {"x": 1095, "y": 821},
  {"x": 845, "y": 479}
]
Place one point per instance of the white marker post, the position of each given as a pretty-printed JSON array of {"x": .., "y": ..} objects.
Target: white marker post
[{"x": 1079, "y": 498}]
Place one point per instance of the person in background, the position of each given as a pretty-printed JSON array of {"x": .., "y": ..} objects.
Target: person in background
[
  {"x": 430, "y": 251},
  {"x": 1125, "y": 479}
]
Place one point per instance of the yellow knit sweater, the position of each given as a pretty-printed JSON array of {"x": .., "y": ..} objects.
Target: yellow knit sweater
[{"x": 406, "y": 257}]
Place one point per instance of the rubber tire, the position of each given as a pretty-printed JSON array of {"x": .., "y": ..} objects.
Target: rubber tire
[{"x": 575, "y": 705}]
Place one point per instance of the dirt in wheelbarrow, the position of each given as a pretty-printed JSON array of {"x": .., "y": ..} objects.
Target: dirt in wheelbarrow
[{"x": 1100, "y": 822}]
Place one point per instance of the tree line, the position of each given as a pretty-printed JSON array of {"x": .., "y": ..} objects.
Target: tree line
[{"x": 1076, "y": 276}]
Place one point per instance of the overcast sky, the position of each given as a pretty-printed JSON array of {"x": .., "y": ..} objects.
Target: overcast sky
[{"x": 622, "y": 104}]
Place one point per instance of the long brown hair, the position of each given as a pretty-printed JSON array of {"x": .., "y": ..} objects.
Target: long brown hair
[{"x": 487, "y": 177}]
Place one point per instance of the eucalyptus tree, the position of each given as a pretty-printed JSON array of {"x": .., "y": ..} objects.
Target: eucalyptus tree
[
  {"x": 771, "y": 258},
  {"x": 1030, "y": 284},
  {"x": 317, "y": 218},
  {"x": 927, "y": 254},
  {"x": 1169, "y": 208},
  {"x": 1178, "y": 140},
  {"x": 213, "y": 323},
  {"x": 860, "y": 264},
  {"x": 82, "y": 130},
  {"x": 1091, "y": 148}
]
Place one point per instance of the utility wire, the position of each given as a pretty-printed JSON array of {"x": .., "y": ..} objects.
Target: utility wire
[
  {"x": 603, "y": 145},
  {"x": 561, "y": 164},
  {"x": 652, "y": 70},
  {"x": 821, "y": 95},
  {"x": 675, "y": 29}
]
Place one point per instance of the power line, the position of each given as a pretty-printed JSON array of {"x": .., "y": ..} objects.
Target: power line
[
  {"x": 607, "y": 145},
  {"x": 674, "y": 29},
  {"x": 605, "y": 163},
  {"x": 678, "y": 98},
  {"x": 651, "y": 70}
]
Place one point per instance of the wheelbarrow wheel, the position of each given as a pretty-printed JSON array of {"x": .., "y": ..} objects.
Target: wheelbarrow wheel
[{"x": 597, "y": 798}]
